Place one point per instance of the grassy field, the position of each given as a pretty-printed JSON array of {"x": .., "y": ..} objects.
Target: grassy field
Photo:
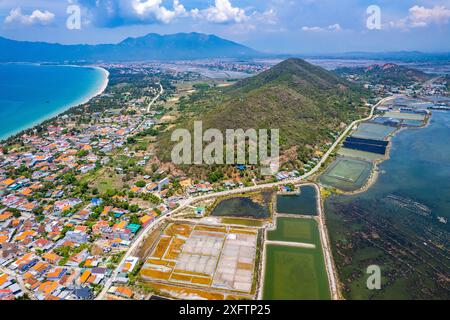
[
  {"x": 296, "y": 230},
  {"x": 294, "y": 273},
  {"x": 108, "y": 180}
]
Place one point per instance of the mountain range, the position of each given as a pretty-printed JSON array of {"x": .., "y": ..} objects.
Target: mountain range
[{"x": 180, "y": 46}]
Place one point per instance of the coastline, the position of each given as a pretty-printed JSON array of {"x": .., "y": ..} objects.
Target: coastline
[
  {"x": 375, "y": 171},
  {"x": 64, "y": 108}
]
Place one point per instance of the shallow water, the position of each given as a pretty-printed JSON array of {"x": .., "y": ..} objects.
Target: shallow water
[
  {"x": 30, "y": 94},
  {"x": 371, "y": 227}
]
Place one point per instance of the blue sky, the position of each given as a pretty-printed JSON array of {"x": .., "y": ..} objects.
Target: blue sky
[{"x": 277, "y": 26}]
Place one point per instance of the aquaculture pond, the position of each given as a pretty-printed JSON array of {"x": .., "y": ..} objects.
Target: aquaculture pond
[
  {"x": 304, "y": 203},
  {"x": 254, "y": 206},
  {"x": 401, "y": 222},
  {"x": 293, "y": 272},
  {"x": 346, "y": 174},
  {"x": 295, "y": 230},
  {"x": 373, "y": 131}
]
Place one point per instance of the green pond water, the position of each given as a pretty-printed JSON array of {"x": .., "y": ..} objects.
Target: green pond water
[
  {"x": 394, "y": 224},
  {"x": 346, "y": 174},
  {"x": 244, "y": 207},
  {"x": 295, "y": 230},
  {"x": 304, "y": 203},
  {"x": 295, "y": 273}
]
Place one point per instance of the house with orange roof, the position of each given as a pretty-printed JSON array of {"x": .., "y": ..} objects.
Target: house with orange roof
[
  {"x": 56, "y": 274},
  {"x": 5, "y": 216},
  {"x": 52, "y": 258},
  {"x": 3, "y": 239},
  {"x": 16, "y": 222},
  {"x": 124, "y": 292},
  {"x": 84, "y": 276},
  {"x": 97, "y": 228},
  {"x": 7, "y": 182},
  {"x": 135, "y": 189},
  {"x": 106, "y": 210},
  {"x": 26, "y": 234},
  {"x": 3, "y": 278},
  {"x": 46, "y": 288},
  {"x": 26, "y": 191},
  {"x": 146, "y": 220},
  {"x": 81, "y": 228},
  {"x": 40, "y": 267},
  {"x": 151, "y": 187},
  {"x": 29, "y": 206},
  {"x": 120, "y": 226}
]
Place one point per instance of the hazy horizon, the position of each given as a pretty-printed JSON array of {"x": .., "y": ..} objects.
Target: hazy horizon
[{"x": 272, "y": 26}]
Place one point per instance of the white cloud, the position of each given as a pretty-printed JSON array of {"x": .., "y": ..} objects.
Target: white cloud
[
  {"x": 269, "y": 16},
  {"x": 334, "y": 27},
  {"x": 36, "y": 17},
  {"x": 222, "y": 12},
  {"x": 420, "y": 17},
  {"x": 114, "y": 13},
  {"x": 152, "y": 9}
]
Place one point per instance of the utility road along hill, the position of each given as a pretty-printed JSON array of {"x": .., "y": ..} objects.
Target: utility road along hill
[
  {"x": 388, "y": 74},
  {"x": 307, "y": 103}
]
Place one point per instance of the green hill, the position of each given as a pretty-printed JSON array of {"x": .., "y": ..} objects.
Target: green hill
[
  {"x": 307, "y": 103},
  {"x": 387, "y": 74}
]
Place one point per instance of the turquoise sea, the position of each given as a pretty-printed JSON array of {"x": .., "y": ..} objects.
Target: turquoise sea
[
  {"x": 395, "y": 224},
  {"x": 31, "y": 93}
]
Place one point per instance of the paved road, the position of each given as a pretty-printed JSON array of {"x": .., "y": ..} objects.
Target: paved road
[
  {"x": 149, "y": 106},
  {"x": 326, "y": 248},
  {"x": 155, "y": 98}
]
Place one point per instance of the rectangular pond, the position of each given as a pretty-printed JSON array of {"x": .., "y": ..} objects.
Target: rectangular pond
[
  {"x": 373, "y": 131},
  {"x": 405, "y": 116},
  {"x": 295, "y": 230},
  {"x": 358, "y": 154},
  {"x": 304, "y": 203},
  {"x": 347, "y": 174},
  {"x": 293, "y": 272}
]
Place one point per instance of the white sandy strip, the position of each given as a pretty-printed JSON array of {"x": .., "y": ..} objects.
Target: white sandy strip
[
  {"x": 291, "y": 244},
  {"x": 104, "y": 84}
]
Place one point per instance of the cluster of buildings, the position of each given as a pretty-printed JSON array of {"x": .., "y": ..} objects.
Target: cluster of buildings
[
  {"x": 56, "y": 242},
  {"x": 9, "y": 288}
]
